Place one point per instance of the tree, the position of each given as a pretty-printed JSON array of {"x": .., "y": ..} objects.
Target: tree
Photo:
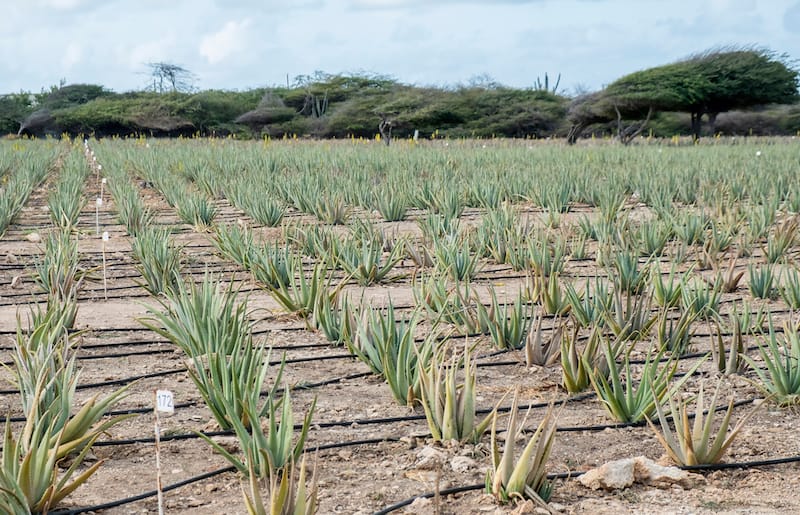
[
  {"x": 14, "y": 108},
  {"x": 171, "y": 77},
  {"x": 269, "y": 110},
  {"x": 705, "y": 84}
]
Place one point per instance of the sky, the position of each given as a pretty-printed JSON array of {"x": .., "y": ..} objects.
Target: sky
[{"x": 243, "y": 44}]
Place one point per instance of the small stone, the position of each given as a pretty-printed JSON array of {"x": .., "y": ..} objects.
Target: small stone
[
  {"x": 229, "y": 443},
  {"x": 410, "y": 441},
  {"x": 212, "y": 487},
  {"x": 33, "y": 237},
  {"x": 429, "y": 458},
  {"x": 463, "y": 464},
  {"x": 16, "y": 281}
]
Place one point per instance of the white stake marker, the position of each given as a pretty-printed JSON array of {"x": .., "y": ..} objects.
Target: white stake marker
[
  {"x": 163, "y": 404},
  {"x": 97, "y": 204},
  {"x": 105, "y": 282}
]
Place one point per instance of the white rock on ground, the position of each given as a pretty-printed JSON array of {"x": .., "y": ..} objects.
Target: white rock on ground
[
  {"x": 429, "y": 458},
  {"x": 620, "y": 474}
]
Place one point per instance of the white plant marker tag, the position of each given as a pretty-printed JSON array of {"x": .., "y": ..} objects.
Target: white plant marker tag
[
  {"x": 164, "y": 401},
  {"x": 105, "y": 235}
]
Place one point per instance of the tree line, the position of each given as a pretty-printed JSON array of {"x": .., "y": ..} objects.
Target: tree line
[{"x": 736, "y": 91}]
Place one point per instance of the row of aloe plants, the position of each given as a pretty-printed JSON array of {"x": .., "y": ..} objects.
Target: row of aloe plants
[
  {"x": 45, "y": 460},
  {"x": 231, "y": 371},
  {"x": 25, "y": 167}
]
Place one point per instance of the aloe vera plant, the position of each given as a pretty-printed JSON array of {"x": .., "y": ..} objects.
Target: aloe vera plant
[
  {"x": 366, "y": 263},
  {"x": 524, "y": 477},
  {"x": 666, "y": 290},
  {"x": 701, "y": 297},
  {"x": 454, "y": 258},
  {"x": 30, "y": 479},
  {"x": 66, "y": 199},
  {"x": 58, "y": 273},
  {"x": 728, "y": 358},
  {"x": 544, "y": 257},
  {"x": 159, "y": 261},
  {"x": 781, "y": 378},
  {"x": 197, "y": 210},
  {"x": 674, "y": 335},
  {"x": 762, "y": 282},
  {"x": 336, "y": 318},
  {"x": 508, "y": 324},
  {"x": 288, "y": 495},
  {"x": 456, "y": 304},
  {"x": 539, "y": 350},
  {"x": 626, "y": 402},
  {"x": 575, "y": 366},
  {"x": 629, "y": 317},
  {"x": 131, "y": 211},
  {"x": 391, "y": 204},
  {"x": 628, "y": 276},
  {"x": 692, "y": 443},
  {"x": 728, "y": 280},
  {"x": 214, "y": 330},
  {"x": 235, "y": 242},
  {"x": 781, "y": 240},
  {"x": 790, "y": 290},
  {"x": 299, "y": 294},
  {"x": 331, "y": 209},
  {"x": 268, "y": 446},
  {"x": 587, "y": 308},
  {"x": 449, "y": 406},
  {"x": 203, "y": 318},
  {"x": 386, "y": 344},
  {"x": 650, "y": 238},
  {"x": 548, "y": 292}
]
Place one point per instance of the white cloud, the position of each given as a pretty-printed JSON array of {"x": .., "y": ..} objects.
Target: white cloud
[
  {"x": 225, "y": 42},
  {"x": 149, "y": 52},
  {"x": 63, "y": 4},
  {"x": 72, "y": 56}
]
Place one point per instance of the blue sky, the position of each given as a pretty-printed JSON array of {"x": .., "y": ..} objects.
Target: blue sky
[{"x": 240, "y": 44}]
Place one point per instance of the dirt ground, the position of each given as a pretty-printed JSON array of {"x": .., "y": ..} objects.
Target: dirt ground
[{"x": 386, "y": 461}]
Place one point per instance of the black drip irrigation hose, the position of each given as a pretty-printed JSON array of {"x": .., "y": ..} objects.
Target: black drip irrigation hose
[{"x": 572, "y": 474}]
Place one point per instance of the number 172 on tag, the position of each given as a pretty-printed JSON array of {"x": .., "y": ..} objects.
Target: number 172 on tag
[{"x": 164, "y": 401}]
